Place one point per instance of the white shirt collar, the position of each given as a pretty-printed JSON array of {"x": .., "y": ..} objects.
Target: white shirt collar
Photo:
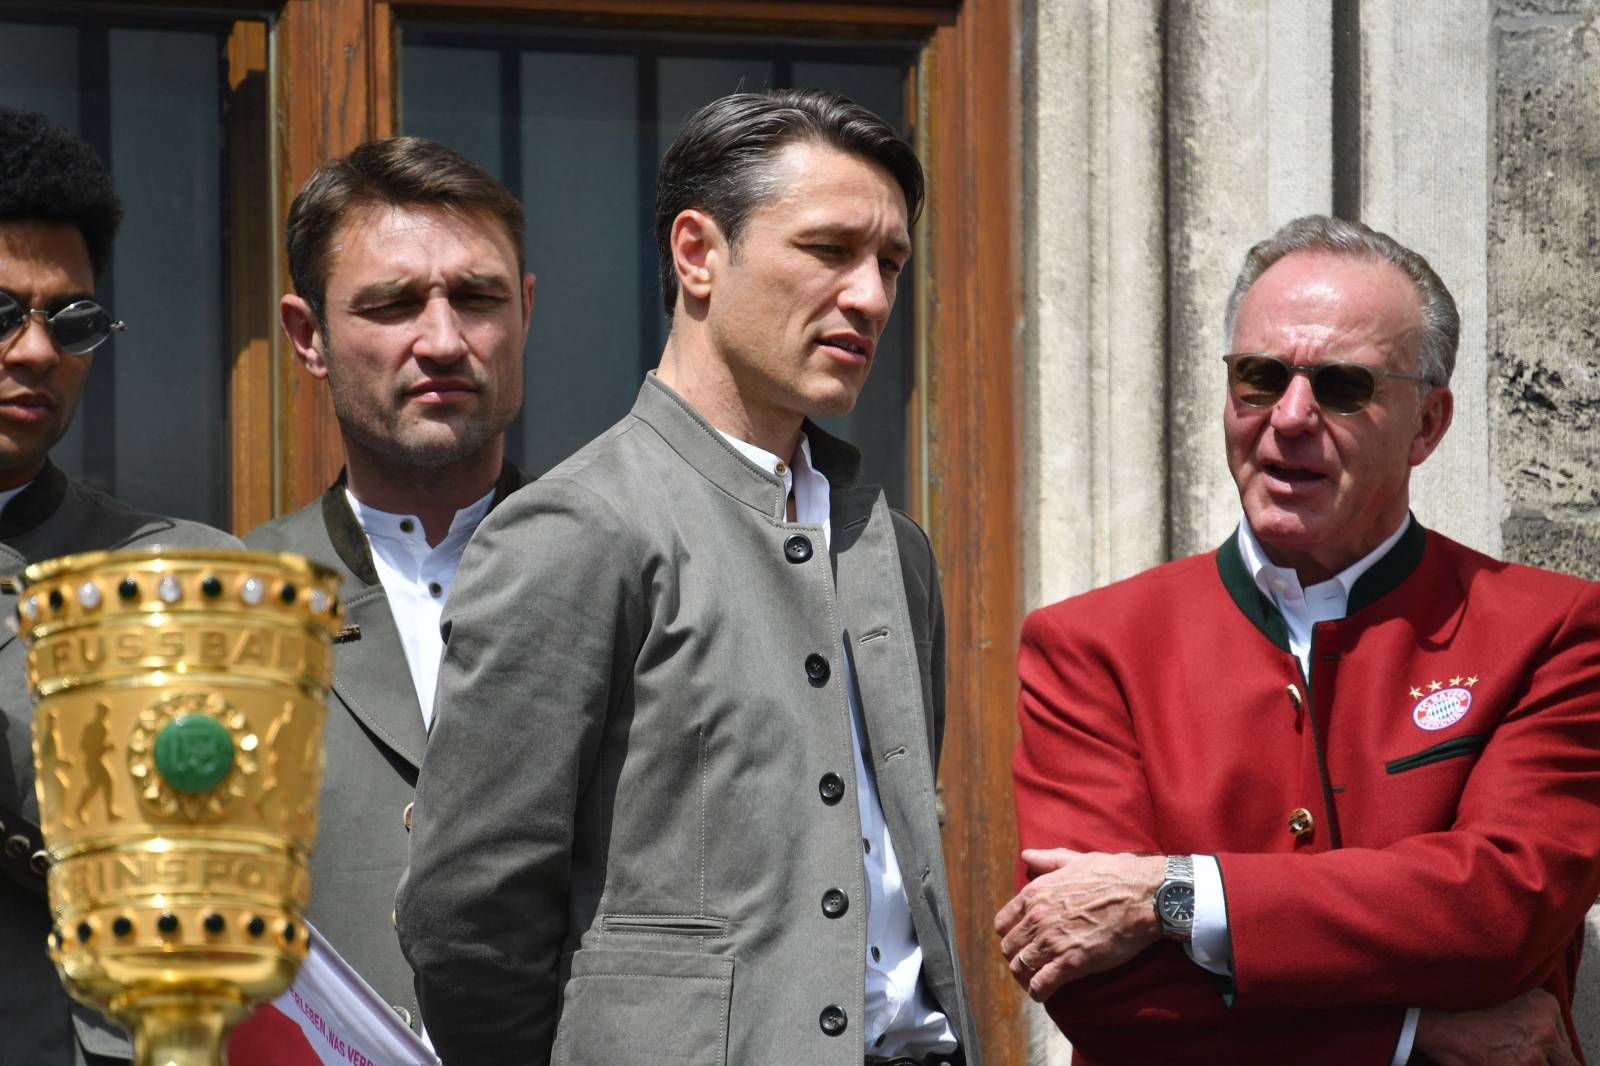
[
  {"x": 408, "y": 527},
  {"x": 771, "y": 463},
  {"x": 1303, "y": 608},
  {"x": 1279, "y": 583},
  {"x": 812, "y": 496},
  {"x": 416, "y": 579}
]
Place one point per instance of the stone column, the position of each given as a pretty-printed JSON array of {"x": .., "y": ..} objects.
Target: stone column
[
  {"x": 1423, "y": 113},
  {"x": 1544, "y": 282},
  {"x": 1096, "y": 366},
  {"x": 1249, "y": 147}
]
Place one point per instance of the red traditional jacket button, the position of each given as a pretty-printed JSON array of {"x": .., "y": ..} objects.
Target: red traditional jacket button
[{"x": 1300, "y": 823}]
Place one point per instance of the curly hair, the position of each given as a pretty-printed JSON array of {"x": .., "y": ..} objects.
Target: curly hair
[{"x": 48, "y": 175}]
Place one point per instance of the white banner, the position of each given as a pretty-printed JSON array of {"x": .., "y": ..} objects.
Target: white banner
[{"x": 328, "y": 1017}]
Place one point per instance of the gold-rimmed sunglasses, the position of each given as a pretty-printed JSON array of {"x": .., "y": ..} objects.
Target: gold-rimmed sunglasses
[{"x": 1258, "y": 379}]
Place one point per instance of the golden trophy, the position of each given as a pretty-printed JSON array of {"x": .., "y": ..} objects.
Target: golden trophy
[{"x": 177, "y": 742}]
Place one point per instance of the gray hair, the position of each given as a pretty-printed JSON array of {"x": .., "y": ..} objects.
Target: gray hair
[{"x": 1441, "y": 323}]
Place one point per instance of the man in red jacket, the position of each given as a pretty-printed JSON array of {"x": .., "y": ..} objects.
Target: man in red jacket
[{"x": 1330, "y": 793}]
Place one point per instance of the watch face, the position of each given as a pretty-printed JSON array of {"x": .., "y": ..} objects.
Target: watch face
[{"x": 1177, "y": 904}]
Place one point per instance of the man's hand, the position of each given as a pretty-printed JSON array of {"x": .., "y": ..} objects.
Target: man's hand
[
  {"x": 1082, "y": 913},
  {"x": 1526, "y": 1030}
]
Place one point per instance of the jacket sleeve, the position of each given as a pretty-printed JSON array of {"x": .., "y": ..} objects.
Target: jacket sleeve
[
  {"x": 540, "y": 634},
  {"x": 1080, "y": 783},
  {"x": 1464, "y": 918}
]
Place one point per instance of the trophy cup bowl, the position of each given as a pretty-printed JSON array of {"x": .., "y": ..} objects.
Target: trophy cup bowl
[{"x": 177, "y": 745}]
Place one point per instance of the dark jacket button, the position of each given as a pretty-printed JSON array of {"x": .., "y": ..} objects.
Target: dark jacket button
[
  {"x": 831, "y": 788},
  {"x": 797, "y": 549},
  {"x": 817, "y": 669},
  {"x": 833, "y": 1020},
  {"x": 40, "y": 861},
  {"x": 835, "y": 903},
  {"x": 17, "y": 846}
]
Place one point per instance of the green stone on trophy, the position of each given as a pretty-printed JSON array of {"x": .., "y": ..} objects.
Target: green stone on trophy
[{"x": 194, "y": 752}]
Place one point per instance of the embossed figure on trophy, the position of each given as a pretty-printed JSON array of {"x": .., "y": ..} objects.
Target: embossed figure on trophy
[
  {"x": 52, "y": 753},
  {"x": 269, "y": 783},
  {"x": 95, "y": 745}
]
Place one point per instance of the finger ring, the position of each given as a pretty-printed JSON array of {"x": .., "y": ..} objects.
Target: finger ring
[{"x": 1025, "y": 964}]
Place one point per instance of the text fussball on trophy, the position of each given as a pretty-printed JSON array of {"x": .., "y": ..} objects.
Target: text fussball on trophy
[{"x": 177, "y": 742}]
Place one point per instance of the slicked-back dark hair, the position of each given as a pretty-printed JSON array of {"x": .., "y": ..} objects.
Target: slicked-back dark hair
[
  {"x": 48, "y": 175},
  {"x": 393, "y": 172},
  {"x": 721, "y": 162}
]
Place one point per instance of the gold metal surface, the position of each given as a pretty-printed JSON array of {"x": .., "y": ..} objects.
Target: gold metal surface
[{"x": 177, "y": 744}]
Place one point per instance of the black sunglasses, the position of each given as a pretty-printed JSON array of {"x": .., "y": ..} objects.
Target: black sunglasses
[
  {"x": 77, "y": 329},
  {"x": 1260, "y": 380}
]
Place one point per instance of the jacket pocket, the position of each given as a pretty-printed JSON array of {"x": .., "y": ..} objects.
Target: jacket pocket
[
  {"x": 1454, "y": 748},
  {"x": 642, "y": 1008},
  {"x": 665, "y": 924}
]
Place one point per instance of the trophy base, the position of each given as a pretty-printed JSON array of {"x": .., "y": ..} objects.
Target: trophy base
[{"x": 182, "y": 1030}]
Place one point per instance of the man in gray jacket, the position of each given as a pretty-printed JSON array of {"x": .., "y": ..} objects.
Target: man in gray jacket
[
  {"x": 58, "y": 215},
  {"x": 679, "y": 802},
  {"x": 412, "y": 304}
]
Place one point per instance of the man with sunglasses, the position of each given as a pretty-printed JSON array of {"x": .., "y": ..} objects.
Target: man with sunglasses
[
  {"x": 1277, "y": 797},
  {"x": 58, "y": 215}
]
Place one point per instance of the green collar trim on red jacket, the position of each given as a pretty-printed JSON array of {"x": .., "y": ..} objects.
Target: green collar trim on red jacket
[
  {"x": 1384, "y": 577},
  {"x": 1387, "y": 573},
  {"x": 1251, "y": 601}
]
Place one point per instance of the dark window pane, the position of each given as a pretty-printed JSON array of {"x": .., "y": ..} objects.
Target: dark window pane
[
  {"x": 575, "y": 124},
  {"x": 151, "y": 426}
]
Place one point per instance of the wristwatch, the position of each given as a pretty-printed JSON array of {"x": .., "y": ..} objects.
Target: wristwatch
[{"x": 1175, "y": 899}]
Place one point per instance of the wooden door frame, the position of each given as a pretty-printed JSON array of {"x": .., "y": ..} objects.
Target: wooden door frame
[{"x": 335, "y": 89}]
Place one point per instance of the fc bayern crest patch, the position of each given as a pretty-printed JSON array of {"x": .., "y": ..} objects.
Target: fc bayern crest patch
[{"x": 1441, "y": 709}]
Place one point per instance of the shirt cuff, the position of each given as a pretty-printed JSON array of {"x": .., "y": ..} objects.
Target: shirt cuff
[
  {"x": 1408, "y": 1036},
  {"x": 1210, "y": 946}
]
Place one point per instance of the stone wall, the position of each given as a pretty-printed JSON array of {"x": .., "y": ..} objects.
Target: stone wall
[
  {"x": 1162, "y": 139},
  {"x": 1544, "y": 253}
]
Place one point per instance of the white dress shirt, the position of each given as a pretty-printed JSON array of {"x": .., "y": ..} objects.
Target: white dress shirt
[
  {"x": 416, "y": 578},
  {"x": 901, "y": 1017},
  {"x": 1302, "y": 608}
]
